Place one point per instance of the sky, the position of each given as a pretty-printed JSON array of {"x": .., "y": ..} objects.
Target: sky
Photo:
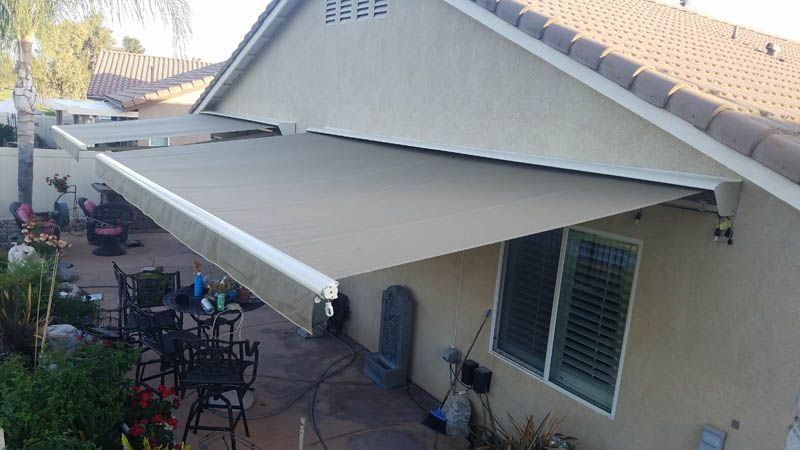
[{"x": 218, "y": 26}]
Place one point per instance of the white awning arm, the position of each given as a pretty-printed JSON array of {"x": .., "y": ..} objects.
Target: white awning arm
[{"x": 308, "y": 277}]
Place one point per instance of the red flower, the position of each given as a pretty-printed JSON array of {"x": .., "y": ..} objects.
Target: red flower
[
  {"x": 173, "y": 423},
  {"x": 136, "y": 388},
  {"x": 106, "y": 343},
  {"x": 94, "y": 340},
  {"x": 145, "y": 395},
  {"x": 176, "y": 403},
  {"x": 156, "y": 419},
  {"x": 162, "y": 391},
  {"x": 136, "y": 431},
  {"x": 80, "y": 337}
]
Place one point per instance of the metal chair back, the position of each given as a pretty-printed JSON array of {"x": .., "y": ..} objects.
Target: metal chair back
[{"x": 149, "y": 288}]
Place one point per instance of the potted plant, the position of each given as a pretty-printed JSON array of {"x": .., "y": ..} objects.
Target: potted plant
[
  {"x": 149, "y": 419},
  {"x": 60, "y": 183}
]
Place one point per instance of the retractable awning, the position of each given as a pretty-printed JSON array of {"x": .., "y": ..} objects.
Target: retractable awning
[
  {"x": 74, "y": 138},
  {"x": 287, "y": 216}
]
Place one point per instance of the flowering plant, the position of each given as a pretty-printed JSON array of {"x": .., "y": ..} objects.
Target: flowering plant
[
  {"x": 149, "y": 415},
  {"x": 58, "y": 182},
  {"x": 46, "y": 244}
]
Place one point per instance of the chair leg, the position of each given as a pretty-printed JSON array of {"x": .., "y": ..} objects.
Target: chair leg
[
  {"x": 242, "y": 414},
  {"x": 192, "y": 412}
]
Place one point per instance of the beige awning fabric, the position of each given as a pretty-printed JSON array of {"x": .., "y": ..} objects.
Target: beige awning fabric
[
  {"x": 287, "y": 216},
  {"x": 74, "y": 138}
]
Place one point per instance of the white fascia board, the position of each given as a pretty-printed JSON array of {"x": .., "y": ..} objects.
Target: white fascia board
[
  {"x": 286, "y": 127},
  {"x": 275, "y": 18},
  {"x": 746, "y": 167},
  {"x": 308, "y": 277},
  {"x": 726, "y": 190},
  {"x": 67, "y": 142}
]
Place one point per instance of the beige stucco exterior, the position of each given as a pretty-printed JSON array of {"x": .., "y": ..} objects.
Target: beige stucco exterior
[
  {"x": 174, "y": 106},
  {"x": 713, "y": 327}
]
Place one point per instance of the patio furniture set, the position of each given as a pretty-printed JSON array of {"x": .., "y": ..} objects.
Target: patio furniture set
[{"x": 220, "y": 369}]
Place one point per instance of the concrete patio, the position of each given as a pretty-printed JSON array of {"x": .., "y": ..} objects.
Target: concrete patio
[{"x": 352, "y": 413}]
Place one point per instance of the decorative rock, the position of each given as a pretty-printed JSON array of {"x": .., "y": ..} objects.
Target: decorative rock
[
  {"x": 21, "y": 253},
  {"x": 66, "y": 272},
  {"x": 457, "y": 411},
  {"x": 71, "y": 289},
  {"x": 62, "y": 338}
]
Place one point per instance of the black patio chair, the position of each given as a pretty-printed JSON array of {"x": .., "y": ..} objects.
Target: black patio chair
[
  {"x": 110, "y": 229},
  {"x": 214, "y": 367},
  {"x": 157, "y": 337},
  {"x": 212, "y": 326},
  {"x": 148, "y": 288},
  {"x": 115, "y": 323},
  {"x": 88, "y": 207}
]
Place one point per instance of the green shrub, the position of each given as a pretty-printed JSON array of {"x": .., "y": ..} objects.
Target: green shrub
[
  {"x": 74, "y": 311},
  {"x": 73, "y": 398}
]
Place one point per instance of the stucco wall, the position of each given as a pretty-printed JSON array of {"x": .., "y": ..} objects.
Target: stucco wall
[
  {"x": 46, "y": 163},
  {"x": 430, "y": 73},
  {"x": 175, "y": 106},
  {"x": 713, "y": 330}
]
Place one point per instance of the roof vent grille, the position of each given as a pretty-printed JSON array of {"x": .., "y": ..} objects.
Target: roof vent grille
[
  {"x": 773, "y": 49},
  {"x": 362, "y": 9},
  {"x": 381, "y": 8},
  {"x": 345, "y": 10},
  {"x": 330, "y": 11}
]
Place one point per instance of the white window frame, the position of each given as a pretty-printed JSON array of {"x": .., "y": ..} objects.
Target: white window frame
[{"x": 545, "y": 378}]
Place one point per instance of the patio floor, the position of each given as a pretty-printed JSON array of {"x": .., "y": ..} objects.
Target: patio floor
[{"x": 352, "y": 413}]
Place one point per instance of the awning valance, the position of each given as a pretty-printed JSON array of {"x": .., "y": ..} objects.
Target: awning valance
[
  {"x": 287, "y": 216},
  {"x": 74, "y": 138}
]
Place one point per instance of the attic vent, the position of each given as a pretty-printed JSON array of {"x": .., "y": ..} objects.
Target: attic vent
[
  {"x": 381, "y": 8},
  {"x": 330, "y": 11},
  {"x": 340, "y": 11},
  {"x": 345, "y": 10},
  {"x": 362, "y": 9}
]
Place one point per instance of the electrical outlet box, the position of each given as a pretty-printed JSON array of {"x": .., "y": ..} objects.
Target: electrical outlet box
[
  {"x": 482, "y": 380},
  {"x": 451, "y": 355},
  {"x": 712, "y": 438}
]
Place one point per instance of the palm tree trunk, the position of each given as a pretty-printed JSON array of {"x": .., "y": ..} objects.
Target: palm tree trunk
[{"x": 25, "y": 102}]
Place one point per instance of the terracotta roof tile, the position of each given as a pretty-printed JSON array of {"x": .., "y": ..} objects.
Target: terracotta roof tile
[
  {"x": 115, "y": 71},
  {"x": 163, "y": 89}
]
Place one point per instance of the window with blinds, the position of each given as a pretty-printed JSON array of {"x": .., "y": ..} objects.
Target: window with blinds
[
  {"x": 592, "y": 304},
  {"x": 531, "y": 269}
]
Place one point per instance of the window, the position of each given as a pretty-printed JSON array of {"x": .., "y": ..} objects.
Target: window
[{"x": 564, "y": 302}]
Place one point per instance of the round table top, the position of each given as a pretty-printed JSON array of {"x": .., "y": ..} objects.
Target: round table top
[{"x": 183, "y": 301}]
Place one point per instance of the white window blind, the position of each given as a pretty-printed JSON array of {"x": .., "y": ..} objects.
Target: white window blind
[{"x": 592, "y": 314}]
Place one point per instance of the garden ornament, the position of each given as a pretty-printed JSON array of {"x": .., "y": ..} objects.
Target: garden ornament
[{"x": 20, "y": 253}]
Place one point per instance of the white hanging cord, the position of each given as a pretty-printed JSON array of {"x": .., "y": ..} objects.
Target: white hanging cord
[{"x": 458, "y": 302}]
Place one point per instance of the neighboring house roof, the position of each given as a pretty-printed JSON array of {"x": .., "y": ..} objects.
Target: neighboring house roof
[
  {"x": 158, "y": 91},
  {"x": 691, "y": 65},
  {"x": 115, "y": 71},
  {"x": 86, "y": 107}
]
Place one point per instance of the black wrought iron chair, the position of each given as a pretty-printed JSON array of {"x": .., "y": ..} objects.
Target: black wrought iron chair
[
  {"x": 213, "y": 368},
  {"x": 116, "y": 323},
  {"x": 211, "y": 327},
  {"x": 148, "y": 289},
  {"x": 157, "y": 338},
  {"x": 110, "y": 229}
]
